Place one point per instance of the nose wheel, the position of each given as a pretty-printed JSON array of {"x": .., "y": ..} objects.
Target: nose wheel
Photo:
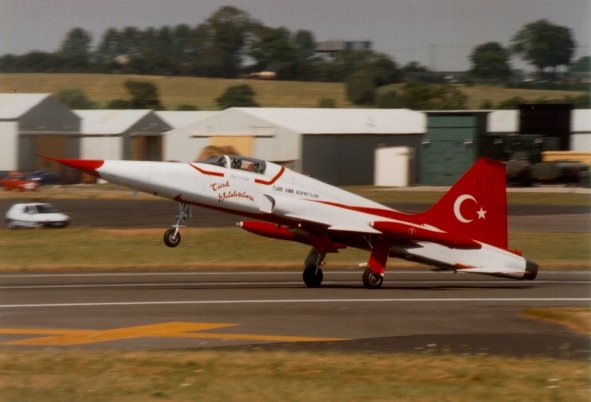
[
  {"x": 172, "y": 236},
  {"x": 313, "y": 275}
]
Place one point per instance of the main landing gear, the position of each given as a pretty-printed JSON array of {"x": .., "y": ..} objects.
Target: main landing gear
[
  {"x": 373, "y": 276},
  {"x": 172, "y": 237},
  {"x": 313, "y": 275},
  {"x": 372, "y": 280}
]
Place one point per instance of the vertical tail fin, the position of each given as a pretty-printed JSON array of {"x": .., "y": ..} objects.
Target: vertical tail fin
[{"x": 476, "y": 205}]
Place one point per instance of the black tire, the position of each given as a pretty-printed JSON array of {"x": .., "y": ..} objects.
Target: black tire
[
  {"x": 313, "y": 277},
  {"x": 372, "y": 280},
  {"x": 170, "y": 239}
]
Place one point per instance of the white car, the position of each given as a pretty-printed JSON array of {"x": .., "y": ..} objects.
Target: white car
[{"x": 35, "y": 215}]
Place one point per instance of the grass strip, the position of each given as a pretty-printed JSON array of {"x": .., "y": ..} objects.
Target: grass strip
[
  {"x": 100, "y": 248},
  {"x": 285, "y": 376},
  {"x": 202, "y": 92},
  {"x": 577, "y": 319}
]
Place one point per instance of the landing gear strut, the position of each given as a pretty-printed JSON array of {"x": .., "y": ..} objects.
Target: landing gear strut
[
  {"x": 373, "y": 277},
  {"x": 172, "y": 237},
  {"x": 313, "y": 275}
]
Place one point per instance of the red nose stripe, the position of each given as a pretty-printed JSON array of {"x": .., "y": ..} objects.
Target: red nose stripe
[{"x": 86, "y": 166}]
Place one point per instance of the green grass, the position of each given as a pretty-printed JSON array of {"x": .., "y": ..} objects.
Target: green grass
[
  {"x": 201, "y": 92},
  {"x": 95, "y": 248},
  {"x": 554, "y": 249},
  {"x": 93, "y": 376}
]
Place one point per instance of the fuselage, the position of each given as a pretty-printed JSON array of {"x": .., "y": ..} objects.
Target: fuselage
[
  {"x": 275, "y": 194},
  {"x": 450, "y": 235}
]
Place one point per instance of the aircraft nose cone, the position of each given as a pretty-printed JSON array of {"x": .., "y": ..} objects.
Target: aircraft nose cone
[{"x": 84, "y": 165}]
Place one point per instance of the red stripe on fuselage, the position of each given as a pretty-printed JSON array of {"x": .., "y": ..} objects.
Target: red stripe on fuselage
[
  {"x": 207, "y": 172},
  {"x": 273, "y": 180}
]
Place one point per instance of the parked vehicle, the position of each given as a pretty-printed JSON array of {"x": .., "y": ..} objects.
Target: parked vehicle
[
  {"x": 18, "y": 181},
  {"x": 35, "y": 215},
  {"x": 44, "y": 177}
]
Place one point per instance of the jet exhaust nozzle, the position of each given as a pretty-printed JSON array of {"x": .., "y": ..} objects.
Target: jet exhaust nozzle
[{"x": 531, "y": 270}]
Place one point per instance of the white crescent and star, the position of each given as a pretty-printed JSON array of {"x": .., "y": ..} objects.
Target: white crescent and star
[{"x": 458, "y": 205}]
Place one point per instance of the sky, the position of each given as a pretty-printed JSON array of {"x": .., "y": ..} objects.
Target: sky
[{"x": 439, "y": 34}]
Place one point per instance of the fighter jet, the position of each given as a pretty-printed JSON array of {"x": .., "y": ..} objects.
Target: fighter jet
[{"x": 465, "y": 231}]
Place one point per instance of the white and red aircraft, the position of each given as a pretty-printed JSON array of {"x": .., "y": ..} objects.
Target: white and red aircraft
[{"x": 465, "y": 231}]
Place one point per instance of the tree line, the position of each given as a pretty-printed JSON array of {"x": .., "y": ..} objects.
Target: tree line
[{"x": 230, "y": 43}]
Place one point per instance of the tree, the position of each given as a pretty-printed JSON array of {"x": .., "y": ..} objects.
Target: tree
[
  {"x": 490, "y": 63},
  {"x": 372, "y": 72},
  {"x": 75, "y": 50},
  {"x": 422, "y": 96},
  {"x": 273, "y": 50},
  {"x": 75, "y": 98},
  {"x": 150, "y": 62},
  {"x": 144, "y": 95},
  {"x": 237, "y": 96},
  {"x": 77, "y": 43},
  {"x": 223, "y": 37},
  {"x": 544, "y": 45},
  {"x": 414, "y": 67},
  {"x": 388, "y": 100},
  {"x": 361, "y": 88},
  {"x": 582, "y": 65}
]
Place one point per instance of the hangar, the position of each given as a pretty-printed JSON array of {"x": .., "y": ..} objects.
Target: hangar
[
  {"x": 334, "y": 145},
  {"x": 178, "y": 144},
  {"x": 121, "y": 134},
  {"x": 36, "y": 124},
  {"x": 507, "y": 122}
]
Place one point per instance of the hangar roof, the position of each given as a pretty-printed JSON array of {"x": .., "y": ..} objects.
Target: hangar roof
[
  {"x": 180, "y": 119},
  {"x": 322, "y": 121},
  {"x": 13, "y": 106},
  {"x": 340, "y": 121},
  {"x": 110, "y": 121}
]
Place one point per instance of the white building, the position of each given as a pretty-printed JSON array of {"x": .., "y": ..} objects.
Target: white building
[
  {"x": 581, "y": 130},
  {"x": 507, "y": 122},
  {"x": 36, "y": 124},
  {"x": 121, "y": 134},
  {"x": 178, "y": 144},
  {"x": 308, "y": 139}
]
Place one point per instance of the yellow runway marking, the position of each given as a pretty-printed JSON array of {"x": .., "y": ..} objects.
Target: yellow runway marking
[{"x": 192, "y": 330}]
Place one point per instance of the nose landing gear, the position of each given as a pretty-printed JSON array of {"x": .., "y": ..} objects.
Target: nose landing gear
[
  {"x": 313, "y": 275},
  {"x": 172, "y": 237}
]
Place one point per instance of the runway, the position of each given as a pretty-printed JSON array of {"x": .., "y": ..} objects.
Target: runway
[{"x": 415, "y": 311}]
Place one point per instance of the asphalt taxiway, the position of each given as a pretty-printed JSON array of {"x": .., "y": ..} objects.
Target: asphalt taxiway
[
  {"x": 414, "y": 311},
  {"x": 161, "y": 213}
]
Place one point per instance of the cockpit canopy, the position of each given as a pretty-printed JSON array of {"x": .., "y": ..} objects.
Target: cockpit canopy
[{"x": 238, "y": 162}]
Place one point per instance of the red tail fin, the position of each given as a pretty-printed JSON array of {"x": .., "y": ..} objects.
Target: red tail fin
[{"x": 476, "y": 206}]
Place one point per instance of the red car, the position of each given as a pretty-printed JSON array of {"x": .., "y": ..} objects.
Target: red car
[{"x": 19, "y": 182}]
